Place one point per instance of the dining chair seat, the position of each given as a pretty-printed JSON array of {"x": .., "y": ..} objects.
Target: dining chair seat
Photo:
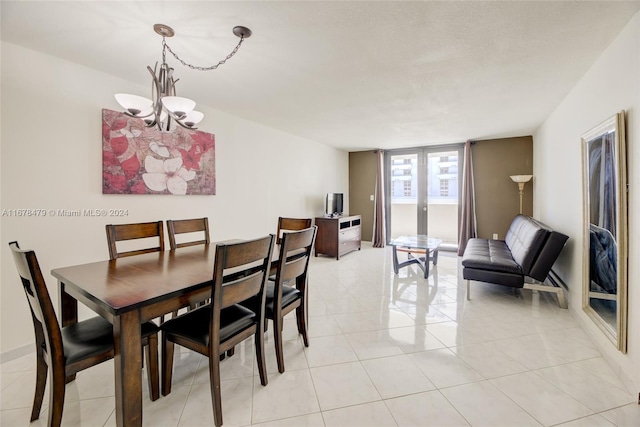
[
  {"x": 87, "y": 339},
  {"x": 93, "y": 337},
  {"x": 289, "y": 295},
  {"x": 194, "y": 325}
]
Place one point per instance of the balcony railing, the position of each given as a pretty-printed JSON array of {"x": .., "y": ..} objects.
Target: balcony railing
[{"x": 443, "y": 219}]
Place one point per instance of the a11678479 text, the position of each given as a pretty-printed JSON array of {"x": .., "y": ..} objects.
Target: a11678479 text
[{"x": 65, "y": 212}]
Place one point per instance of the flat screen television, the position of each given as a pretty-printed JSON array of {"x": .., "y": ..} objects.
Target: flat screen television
[{"x": 335, "y": 204}]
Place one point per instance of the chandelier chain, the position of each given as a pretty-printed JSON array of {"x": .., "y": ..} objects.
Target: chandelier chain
[{"x": 196, "y": 67}]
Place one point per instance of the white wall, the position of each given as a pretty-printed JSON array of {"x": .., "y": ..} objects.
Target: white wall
[
  {"x": 51, "y": 159},
  {"x": 611, "y": 85}
]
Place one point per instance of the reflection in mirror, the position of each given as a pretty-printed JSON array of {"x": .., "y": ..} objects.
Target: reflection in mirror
[{"x": 605, "y": 228}]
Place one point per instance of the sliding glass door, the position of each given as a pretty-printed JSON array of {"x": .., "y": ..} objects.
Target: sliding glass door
[{"x": 423, "y": 192}]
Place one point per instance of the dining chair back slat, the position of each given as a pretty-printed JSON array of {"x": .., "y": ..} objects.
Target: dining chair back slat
[
  {"x": 237, "y": 291},
  {"x": 123, "y": 232},
  {"x": 294, "y": 268},
  {"x": 238, "y": 254},
  {"x": 184, "y": 226},
  {"x": 291, "y": 224}
]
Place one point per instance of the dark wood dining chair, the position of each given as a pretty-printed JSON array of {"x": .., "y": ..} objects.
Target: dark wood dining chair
[
  {"x": 188, "y": 226},
  {"x": 63, "y": 352},
  {"x": 289, "y": 289},
  {"x": 291, "y": 224},
  {"x": 184, "y": 226},
  {"x": 144, "y": 230},
  {"x": 136, "y": 231},
  {"x": 215, "y": 328}
]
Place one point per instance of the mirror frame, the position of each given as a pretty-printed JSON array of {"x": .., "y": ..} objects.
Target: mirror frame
[{"x": 616, "y": 123}]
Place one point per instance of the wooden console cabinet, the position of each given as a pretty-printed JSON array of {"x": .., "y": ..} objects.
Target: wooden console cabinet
[{"x": 337, "y": 236}]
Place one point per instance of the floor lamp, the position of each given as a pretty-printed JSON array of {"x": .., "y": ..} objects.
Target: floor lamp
[{"x": 520, "y": 180}]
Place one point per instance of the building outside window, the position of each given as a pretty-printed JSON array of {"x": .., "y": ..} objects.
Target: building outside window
[
  {"x": 404, "y": 175},
  {"x": 442, "y": 179},
  {"x": 444, "y": 188},
  {"x": 407, "y": 188}
]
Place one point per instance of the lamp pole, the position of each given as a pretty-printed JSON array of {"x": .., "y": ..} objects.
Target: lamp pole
[
  {"x": 521, "y": 190},
  {"x": 520, "y": 180}
]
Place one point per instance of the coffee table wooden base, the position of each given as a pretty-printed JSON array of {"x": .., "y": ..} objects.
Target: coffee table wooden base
[{"x": 422, "y": 261}]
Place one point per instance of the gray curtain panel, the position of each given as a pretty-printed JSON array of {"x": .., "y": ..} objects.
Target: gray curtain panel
[
  {"x": 379, "y": 231},
  {"x": 467, "y": 226}
]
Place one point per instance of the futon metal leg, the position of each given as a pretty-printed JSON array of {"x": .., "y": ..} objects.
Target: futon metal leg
[
  {"x": 562, "y": 302},
  {"x": 468, "y": 288}
]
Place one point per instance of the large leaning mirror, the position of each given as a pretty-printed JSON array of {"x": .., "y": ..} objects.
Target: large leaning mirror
[{"x": 604, "y": 292}]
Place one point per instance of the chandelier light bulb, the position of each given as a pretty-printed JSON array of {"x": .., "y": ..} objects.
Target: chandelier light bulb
[
  {"x": 178, "y": 106},
  {"x": 193, "y": 118},
  {"x": 134, "y": 104}
]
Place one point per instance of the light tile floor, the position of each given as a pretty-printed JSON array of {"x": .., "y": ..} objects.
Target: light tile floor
[{"x": 386, "y": 350}]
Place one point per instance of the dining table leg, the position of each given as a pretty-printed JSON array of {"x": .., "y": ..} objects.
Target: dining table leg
[
  {"x": 128, "y": 369},
  {"x": 68, "y": 307}
]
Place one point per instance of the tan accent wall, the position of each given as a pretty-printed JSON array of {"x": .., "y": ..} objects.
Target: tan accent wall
[
  {"x": 497, "y": 197},
  {"x": 362, "y": 184}
]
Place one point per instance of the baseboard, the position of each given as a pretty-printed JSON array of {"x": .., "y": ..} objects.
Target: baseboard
[
  {"x": 621, "y": 374},
  {"x": 16, "y": 353}
]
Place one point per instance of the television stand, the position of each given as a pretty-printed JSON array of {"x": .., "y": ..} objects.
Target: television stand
[{"x": 338, "y": 236}]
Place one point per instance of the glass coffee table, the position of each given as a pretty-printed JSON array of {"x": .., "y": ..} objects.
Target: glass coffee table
[{"x": 425, "y": 247}]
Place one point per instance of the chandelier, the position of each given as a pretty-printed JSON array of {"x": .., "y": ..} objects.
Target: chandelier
[{"x": 165, "y": 106}]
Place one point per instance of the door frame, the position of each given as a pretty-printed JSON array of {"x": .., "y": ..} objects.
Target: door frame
[{"x": 422, "y": 194}]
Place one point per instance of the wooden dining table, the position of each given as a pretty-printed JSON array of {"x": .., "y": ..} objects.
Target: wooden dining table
[{"x": 129, "y": 291}]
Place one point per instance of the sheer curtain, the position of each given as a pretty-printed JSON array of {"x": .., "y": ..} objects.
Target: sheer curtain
[
  {"x": 379, "y": 232},
  {"x": 467, "y": 227}
]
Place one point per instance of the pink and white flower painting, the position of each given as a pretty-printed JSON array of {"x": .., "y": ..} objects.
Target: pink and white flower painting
[{"x": 141, "y": 160}]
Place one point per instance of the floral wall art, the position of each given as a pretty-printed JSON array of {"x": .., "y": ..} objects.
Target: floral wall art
[{"x": 137, "y": 159}]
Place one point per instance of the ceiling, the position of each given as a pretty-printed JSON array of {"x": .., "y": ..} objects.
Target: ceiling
[{"x": 351, "y": 74}]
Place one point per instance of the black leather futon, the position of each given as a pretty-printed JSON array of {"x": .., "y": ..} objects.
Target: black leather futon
[{"x": 529, "y": 249}]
